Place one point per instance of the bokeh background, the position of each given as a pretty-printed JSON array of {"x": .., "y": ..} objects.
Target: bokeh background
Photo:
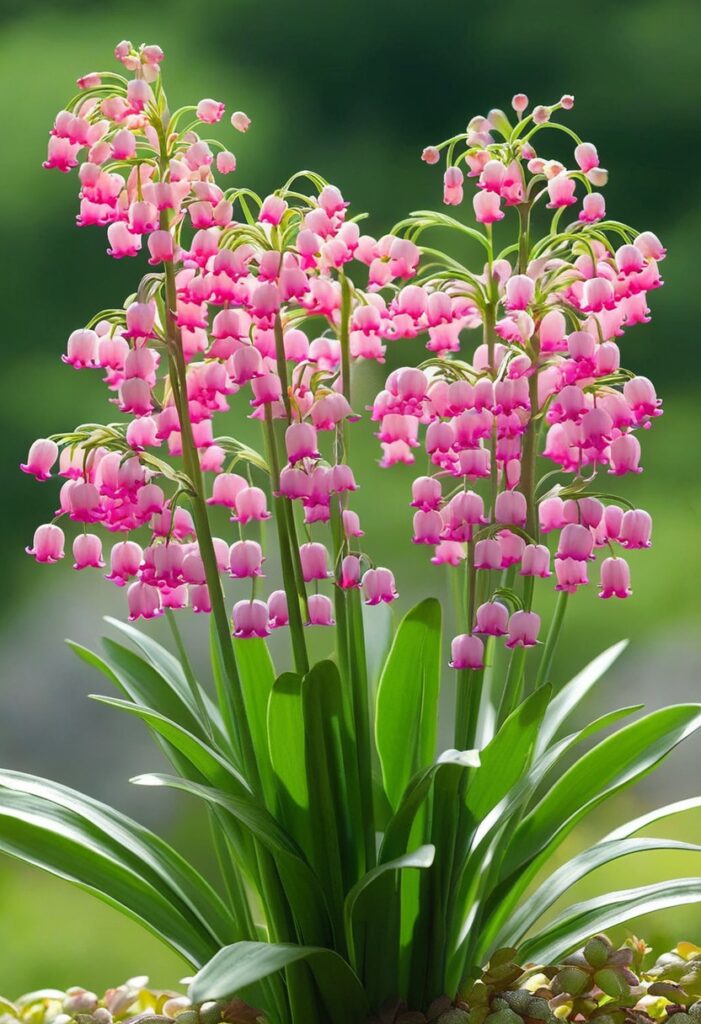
[{"x": 354, "y": 90}]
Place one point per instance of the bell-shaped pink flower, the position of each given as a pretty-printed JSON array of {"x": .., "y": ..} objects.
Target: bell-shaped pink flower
[
  {"x": 125, "y": 561},
  {"x": 571, "y": 573},
  {"x": 301, "y": 442},
  {"x": 315, "y": 561},
  {"x": 520, "y": 290},
  {"x": 453, "y": 179},
  {"x": 350, "y": 572},
  {"x": 144, "y": 601},
  {"x": 624, "y": 455},
  {"x": 593, "y": 208},
  {"x": 428, "y": 527},
  {"x": 487, "y": 207},
  {"x": 240, "y": 121},
  {"x": 636, "y": 529},
  {"x": 272, "y": 210},
  {"x": 576, "y": 542},
  {"x": 277, "y": 609},
  {"x": 210, "y": 111},
  {"x": 426, "y": 493},
  {"x": 226, "y": 488},
  {"x": 561, "y": 190},
  {"x": 523, "y": 629},
  {"x": 200, "y": 599},
  {"x": 41, "y": 458},
  {"x": 320, "y": 610},
  {"x": 351, "y": 524},
  {"x": 245, "y": 559},
  {"x": 48, "y": 543},
  {"x": 466, "y": 651},
  {"x": 511, "y": 508},
  {"x": 250, "y": 619},
  {"x": 378, "y": 586},
  {"x": 488, "y": 554},
  {"x": 492, "y": 619},
  {"x": 82, "y": 349},
  {"x": 87, "y": 551},
  {"x": 250, "y": 504},
  {"x": 535, "y": 561},
  {"x": 615, "y": 578},
  {"x": 512, "y": 548}
]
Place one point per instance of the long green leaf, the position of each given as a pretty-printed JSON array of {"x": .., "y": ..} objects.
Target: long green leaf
[
  {"x": 208, "y": 762},
  {"x": 406, "y": 721},
  {"x": 257, "y": 675},
  {"x": 244, "y": 963},
  {"x": 51, "y": 838},
  {"x": 301, "y": 885},
  {"x": 578, "y": 922},
  {"x": 286, "y": 746},
  {"x": 570, "y": 696},
  {"x": 561, "y": 880},
  {"x": 650, "y": 817},
  {"x": 135, "y": 846}
]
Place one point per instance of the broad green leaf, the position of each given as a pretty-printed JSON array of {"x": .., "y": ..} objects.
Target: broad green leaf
[
  {"x": 577, "y": 923},
  {"x": 135, "y": 846},
  {"x": 361, "y": 891},
  {"x": 609, "y": 766},
  {"x": 208, "y": 762},
  {"x": 406, "y": 720},
  {"x": 568, "y": 698},
  {"x": 244, "y": 963},
  {"x": 507, "y": 757},
  {"x": 52, "y": 838},
  {"x": 257, "y": 675},
  {"x": 561, "y": 880},
  {"x": 301, "y": 885},
  {"x": 286, "y": 747}
]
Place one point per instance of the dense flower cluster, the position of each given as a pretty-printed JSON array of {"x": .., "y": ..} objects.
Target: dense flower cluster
[
  {"x": 544, "y": 380},
  {"x": 261, "y": 303}
]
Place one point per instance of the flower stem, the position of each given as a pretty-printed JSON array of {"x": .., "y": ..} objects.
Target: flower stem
[{"x": 546, "y": 659}]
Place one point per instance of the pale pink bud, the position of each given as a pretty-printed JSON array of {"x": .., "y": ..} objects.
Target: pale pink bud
[
  {"x": 430, "y": 155},
  {"x": 138, "y": 94},
  {"x": 466, "y": 651},
  {"x": 240, "y": 121},
  {"x": 378, "y": 585},
  {"x": 351, "y": 524},
  {"x": 453, "y": 179},
  {"x": 250, "y": 619},
  {"x": 42, "y": 456},
  {"x": 615, "y": 578},
  {"x": 492, "y": 619},
  {"x": 519, "y": 102},
  {"x": 87, "y": 551},
  {"x": 320, "y": 610},
  {"x": 523, "y": 629},
  {"x": 48, "y": 543},
  {"x": 226, "y": 162},
  {"x": 640, "y": 395},
  {"x": 586, "y": 156},
  {"x": 245, "y": 559},
  {"x": 277, "y": 609}
]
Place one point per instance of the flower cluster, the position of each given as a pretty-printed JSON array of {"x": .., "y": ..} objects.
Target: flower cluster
[
  {"x": 260, "y": 303},
  {"x": 544, "y": 380}
]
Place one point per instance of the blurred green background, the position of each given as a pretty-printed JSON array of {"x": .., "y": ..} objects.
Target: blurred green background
[{"x": 354, "y": 90}]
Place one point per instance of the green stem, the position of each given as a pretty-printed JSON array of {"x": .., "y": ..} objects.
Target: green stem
[
  {"x": 195, "y": 688},
  {"x": 546, "y": 658}
]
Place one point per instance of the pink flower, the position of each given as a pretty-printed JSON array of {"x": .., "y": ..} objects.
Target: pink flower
[
  {"x": 200, "y": 599},
  {"x": 250, "y": 619},
  {"x": 250, "y": 504},
  {"x": 125, "y": 561},
  {"x": 453, "y": 179},
  {"x": 635, "y": 530},
  {"x": 586, "y": 156},
  {"x": 48, "y": 543},
  {"x": 426, "y": 493},
  {"x": 314, "y": 559},
  {"x": 378, "y": 585},
  {"x": 226, "y": 162},
  {"x": 615, "y": 578},
  {"x": 240, "y": 121},
  {"x": 519, "y": 291},
  {"x": 277, "y": 609},
  {"x": 466, "y": 652},
  {"x": 487, "y": 207},
  {"x": 428, "y": 526},
  {"x": 82, "y": 349},
  {"x": 511, "y": 508},
  {"x": 430, "y": 155},
  {"x": 625, "y": 455},
  {"x": 245, "y": 559},
  {"x": 87, "y": 551},
  {"x": 320, "y": 610},
  {"x": 122, "y": 241},
  {"x": 161, "y": 247},
  {"x": 42, "y": 456},
  {"x": 210, "y": 111},
  {"x": 519, "y": 102},
  {"x": 488, "y": 554},
  {"x": 593, "y": 208},
  {"x": 226, "y": 488},
  {"x": 571, "y": 573},
  {"x": 576, "y": 542},
  {"x": 561, "y": 191},
  {"x": 492, "y": 619},
  {"x": 301, "y": 442},
  {"x": 350, "y": 572},
  {"x": 272, "y": 210},
  {"x": 523, "y": 629},
  {"x": 351, "y": 524},
  {"x": 144, "y": 601},
  {"x": 535, "y": 561}
]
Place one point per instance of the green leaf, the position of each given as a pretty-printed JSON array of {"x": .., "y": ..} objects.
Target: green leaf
[
  {"x": 286, "y": 747},
  {"x": 301, "y": 885},
  {"x": 666, "y": 811},
  {"x": 561, "y": 880},
  {"x": 208, "y": 762},
  {"x": 54, "y": 839},
  {"x": 611, "y": 765},
  {"x": 357, "y": 897},
  {"x": 257, "y": 675},
  {"x": 136, "y": 846},
  {"x": 237, "y": 966},
  {"x": 578, "y": 922},
  {"x": 406, "y": 721},
  {"x": 571, "y": 695},
  {"x": 507, "y": 757}
]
